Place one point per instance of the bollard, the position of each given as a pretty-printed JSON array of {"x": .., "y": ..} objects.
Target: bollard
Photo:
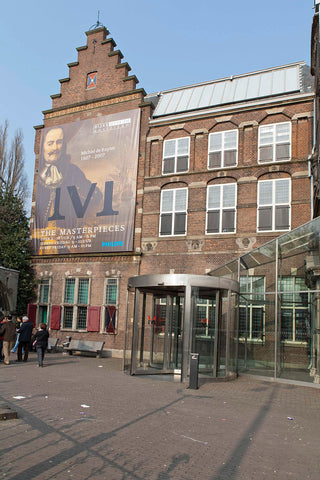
[{"x": 194, "y": 371}]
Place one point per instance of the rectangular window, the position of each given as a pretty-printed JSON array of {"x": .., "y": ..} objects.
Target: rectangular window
[
  {"x": 295, "y": 315},
  {"x": 274, "y": 198},
  {"x": 68, "y": 317},
  {"x": 251, "y": 308},
  {"x": 82, "y": 309},
  {"x": 173, "y": 212},
  {"x": 83, "y": 291},
  {"x": 111, "y": 305},
  {"x": 43, "y": 301},
  {"x": 275, "y": 143},
  {"x": 205, "y": 317},
  {"x": 176, "y": 156},
  {"x": 111, "y": 291},
  {"x": 44, "y": 291},
  {"x": 69, "y": 290},
  {"x": 223, "y": 149},
  {"x": 221, "y": 208},
  {"x": 76, "y": 300}
]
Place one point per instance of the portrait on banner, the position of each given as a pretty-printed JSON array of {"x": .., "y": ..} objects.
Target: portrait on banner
[{"x": 82, "y": 202}]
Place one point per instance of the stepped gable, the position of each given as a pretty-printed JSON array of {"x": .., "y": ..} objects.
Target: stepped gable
[{"x": 98, "y": 73}]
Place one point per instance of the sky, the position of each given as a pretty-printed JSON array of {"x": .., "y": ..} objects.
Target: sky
[{"x": 167, "y": 43}]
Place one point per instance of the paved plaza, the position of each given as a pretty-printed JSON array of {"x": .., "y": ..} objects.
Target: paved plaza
[{"x": 83, "y": 418}]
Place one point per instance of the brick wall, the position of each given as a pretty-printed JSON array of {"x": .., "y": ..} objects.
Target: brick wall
[{"x": 115, "y": 91}]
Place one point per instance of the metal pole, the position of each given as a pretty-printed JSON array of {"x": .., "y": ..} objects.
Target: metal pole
[
  {"x": 228, "y": 333},
  {"x": 135, "y": 334},
  {"x": 217, "y": 324},
  {"x": 237, "y": 320},
  {"x": 143, "y": 328},
  {"x": 167, "y": 334},
  {"x": 276, "y": 323},
  {"x": 186, "y": 335},
  {"x": 125, "y": 334}
]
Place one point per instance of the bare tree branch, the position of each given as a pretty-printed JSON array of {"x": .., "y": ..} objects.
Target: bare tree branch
[{"x": 12, "y": 162}]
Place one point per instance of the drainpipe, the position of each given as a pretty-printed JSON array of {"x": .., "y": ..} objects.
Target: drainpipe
[{"x": 311, "y": 185}]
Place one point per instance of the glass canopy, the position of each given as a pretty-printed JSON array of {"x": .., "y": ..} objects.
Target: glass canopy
[{"x": 279, "y": 306}]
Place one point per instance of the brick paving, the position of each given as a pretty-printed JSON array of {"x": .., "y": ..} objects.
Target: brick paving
[{"x": 83, "y": 418}]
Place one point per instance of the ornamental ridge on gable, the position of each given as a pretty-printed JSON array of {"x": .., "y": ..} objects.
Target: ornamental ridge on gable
[{"x": 97, "y": 74}]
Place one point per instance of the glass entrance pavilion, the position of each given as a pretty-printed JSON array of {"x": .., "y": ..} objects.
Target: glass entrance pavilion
[
  {"x": 279, "y": 306},
  {"x": 258, "y": 314}
]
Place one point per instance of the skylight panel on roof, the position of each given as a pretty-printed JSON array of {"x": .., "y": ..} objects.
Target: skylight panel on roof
[
  {"x": 292, "y": 79},
  {"x": 266, "y": 84},
  {"x": 277, "y": 81}
]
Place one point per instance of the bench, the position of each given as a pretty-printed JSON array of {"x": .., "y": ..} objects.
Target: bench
[
  {"x": 52, "y": 345},
  {"x": 86, "y": 346}
]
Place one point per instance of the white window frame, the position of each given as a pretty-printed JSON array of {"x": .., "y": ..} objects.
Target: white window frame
[
  {"x": 176, "y": 155},
  {"x": 160, "y": 323},
  {"x": 42, "y": 304},
  {"x": 75, "y": 305},
  {"x": 107, "y": 282},
  {"x": 221, "y": 209},
  {"x": 274, "y": 143},
  {"x": 223, "y": 149},
  {"x": 293, "y": 307},
  {"x": 205, "y": 328},
  {"x": 274, "y": 205},
  {"x": 173, "y": 212},
  {"x": 252, "y": 294}
]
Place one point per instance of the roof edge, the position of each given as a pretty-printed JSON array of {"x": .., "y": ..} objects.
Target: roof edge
[{"x": 233, "y": 77}]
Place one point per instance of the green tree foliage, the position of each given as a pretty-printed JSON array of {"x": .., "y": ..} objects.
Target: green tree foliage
[
  {"x": 15, "y": 245},
  {"x": 14, "y": 224}
]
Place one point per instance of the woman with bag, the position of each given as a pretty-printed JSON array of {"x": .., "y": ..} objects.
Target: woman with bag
[{"x": 40, "y": 341}]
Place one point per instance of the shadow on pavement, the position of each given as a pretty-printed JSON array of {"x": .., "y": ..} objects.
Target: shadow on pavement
[{"x": 230, "y": 471}]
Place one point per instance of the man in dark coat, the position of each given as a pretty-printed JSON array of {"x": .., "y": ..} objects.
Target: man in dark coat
[
  {"x": 41, "y": 340},
  {"x": 8, "y": 330},
  {"x": 25, "y": 338}
]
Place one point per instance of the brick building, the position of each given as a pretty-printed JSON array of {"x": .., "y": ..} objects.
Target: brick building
[
  {"x": 98, "y": 86},
  {"x": 220, "y": 168}
]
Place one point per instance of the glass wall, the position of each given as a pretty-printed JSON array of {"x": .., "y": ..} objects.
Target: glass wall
[{"x": 278, "y": 333}]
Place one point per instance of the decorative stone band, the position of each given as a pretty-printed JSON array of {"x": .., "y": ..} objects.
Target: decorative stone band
[{"x": 92, "y": 105}]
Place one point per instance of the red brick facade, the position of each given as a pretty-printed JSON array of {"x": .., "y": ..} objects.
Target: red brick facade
[{"x": 195, "y": 252}]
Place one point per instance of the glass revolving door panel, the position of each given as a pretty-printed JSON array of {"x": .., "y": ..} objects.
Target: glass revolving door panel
[
  {"x": 166, "y": 327},
  {"x": 159, "y": 327},
  {"x": 205, "y": 331}
]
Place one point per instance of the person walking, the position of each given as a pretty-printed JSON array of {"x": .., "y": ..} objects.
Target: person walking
[
  {"x": 41, "y": 342},
  {"x": 8, "y": 330},
  {"x": 1, "y": 339},
  {"x": 24, "y": 339},
  {"x": 18, "y": 325}
]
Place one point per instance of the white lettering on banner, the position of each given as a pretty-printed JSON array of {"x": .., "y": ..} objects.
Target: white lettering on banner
[
  {"x": 82, "y": 230},
  {"x": 95, "y": 153},
  {"x": 102, "y": 127}
]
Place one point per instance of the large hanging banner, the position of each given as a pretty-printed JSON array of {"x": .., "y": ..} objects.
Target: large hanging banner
[{"x": 86, "y": 188}]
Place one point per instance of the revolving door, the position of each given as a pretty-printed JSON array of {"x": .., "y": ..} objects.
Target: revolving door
[{"x": 176, "y": 315}]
